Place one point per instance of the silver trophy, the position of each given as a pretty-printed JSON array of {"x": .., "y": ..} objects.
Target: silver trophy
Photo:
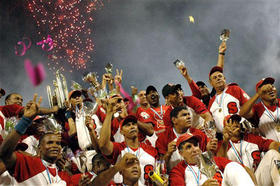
[
  {"x": 224, "y": 35},
  {"x": 76, "y": 86},
  {"x": 206, "y": 164},
  {"x": 90, "y": 76},
  {"x": 109, "y": 68},
  {"x": 89, "y": 108},
  {"x": 210, "y": 129},
  {"x": 178, "y": 63}
]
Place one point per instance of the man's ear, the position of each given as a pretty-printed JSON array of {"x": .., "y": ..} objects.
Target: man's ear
[{"x": 174, "y": 119}]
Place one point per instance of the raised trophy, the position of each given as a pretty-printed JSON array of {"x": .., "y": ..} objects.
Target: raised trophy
[
  {"x": 90, "y": 77},
  {"x": 109, "y": 68},
  {"x": 76, "y": 86},
  {"x": 178, "y": 63},
  {"x": 224, "y": 35},
  {"x": 60, "y": 90}
]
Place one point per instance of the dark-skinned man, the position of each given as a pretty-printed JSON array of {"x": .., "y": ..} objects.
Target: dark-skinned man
[{"x": 41, "y": 170}]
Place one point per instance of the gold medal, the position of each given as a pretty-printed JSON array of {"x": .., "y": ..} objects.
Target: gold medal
[
  {"x": 277, "y": 127},
  {"x": 220, "y": 109}
]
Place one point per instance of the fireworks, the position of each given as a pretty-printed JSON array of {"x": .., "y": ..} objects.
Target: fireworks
[{"x": 67, "y": 21}]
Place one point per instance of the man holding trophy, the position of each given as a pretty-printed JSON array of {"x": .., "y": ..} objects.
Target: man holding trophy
[{"x": 192, "y": 171}]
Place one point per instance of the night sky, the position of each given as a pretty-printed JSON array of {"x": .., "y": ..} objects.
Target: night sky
[{"x": 144, "y": 37}]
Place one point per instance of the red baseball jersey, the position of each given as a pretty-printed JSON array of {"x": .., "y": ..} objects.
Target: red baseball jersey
[
  {"x": 227, "y": 103},
  {"x": 145, "y": 153},
  {"x": 182, "y": 174},
  {"x": 170, "y": 135},
  {"x": 32, "y": 171},
  {"x": 266, "y": 117}
]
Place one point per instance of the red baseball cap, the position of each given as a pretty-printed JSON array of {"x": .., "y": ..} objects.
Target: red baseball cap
[
  {"x": 234, "y": 117},
  {"x": 186, "y": 137},
  {"x": 127, "y": 119},
  {"x": 215, "y": 69},
  {"x": 264, "y": 81},
  {"x": 74, "y": 92}
]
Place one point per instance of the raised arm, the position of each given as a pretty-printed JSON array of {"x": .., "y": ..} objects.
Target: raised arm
[
  {"x": 106, "y": 176},
  {"x": 221, "y": 56},
  {"x": 105, "y": 144},
  {"x": 193, "y": 86},
  {"x": 9, "y": 144}
]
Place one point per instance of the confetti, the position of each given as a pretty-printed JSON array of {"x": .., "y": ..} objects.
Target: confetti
[
  {"x": 20, "y": 51},
  {"x": 69, "y": 24},
  {"x": 46, "y": 42},
  {"x": 36, "y": 74},
  {"x": 191, "y": 19}
]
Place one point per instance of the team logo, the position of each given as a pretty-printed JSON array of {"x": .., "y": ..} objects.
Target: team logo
[{"x": 145, "y": 115}]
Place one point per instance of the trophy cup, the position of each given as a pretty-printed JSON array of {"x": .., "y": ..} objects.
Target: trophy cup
[
  {"x": 224, "y": 35},
  {"x": 206, "y": 165},
  {"x": 178, "y": 63},
  {"x": 89, "y": 108},
  {"x": 76, "y": 86},
  {"x": 210, "y": 129},
  {"x": 109, "y": 68},
  {"x": 91, "y": 77},
  {"x": 60, "y": 90}
]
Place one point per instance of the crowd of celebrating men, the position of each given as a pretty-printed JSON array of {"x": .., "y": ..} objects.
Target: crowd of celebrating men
[{"x": 105, "y": 136}]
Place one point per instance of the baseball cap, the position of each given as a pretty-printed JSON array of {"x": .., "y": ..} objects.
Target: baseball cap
[
  {"x": 127, "y": 119},
  {"x": 170, "y": 89},
  {"x": 234, "y": 117},
  {"x": 74, "y": 93},
  {"x": 2, "y": 91},
  {"x": 200, "y": 83},
  {"x": 264, "y": 81},
  {"x": 150, "y": 88},
  {"x": 215, "y": 69},
  {"x": 186, "y": 137}
]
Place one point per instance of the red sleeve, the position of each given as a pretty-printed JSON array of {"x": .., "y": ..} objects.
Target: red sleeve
[
  {"x": 161, "y": 144},
  {"x": 115, "y": 124},
  {"x": 66, "y": 177},
  {"x": 101, "y": 114},
  {"x": 76, "y": 178},
  {"x": 221, "y": 162},
  {"x": 262, "y": 143},
  {"x": 117, "y": 148},
  {"x": 177, "y": 175},
  {"x": 11, "y": 110},
  {"x": 166, "y": 117},
  {"x": 195, "y": 104},
  {"x": 27, "y": 167},
  {"x": 195, "y": 90},
  {"x": 239, "y": 93}
]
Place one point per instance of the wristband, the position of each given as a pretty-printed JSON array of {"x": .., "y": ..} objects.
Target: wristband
[
  {"x": 222, "y": 53},
  {"x": 23, "y": 124},
  {"x": 68, "y": 115}
]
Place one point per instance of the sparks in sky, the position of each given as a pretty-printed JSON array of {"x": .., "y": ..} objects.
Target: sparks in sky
[{"x": 68, "y": 22}]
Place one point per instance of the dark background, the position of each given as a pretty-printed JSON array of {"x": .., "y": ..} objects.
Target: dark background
[{"x": 144, "y": 37}]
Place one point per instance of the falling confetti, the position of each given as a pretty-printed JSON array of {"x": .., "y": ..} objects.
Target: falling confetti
[
  {"x": 68, "y": 22},
  {"x": 20, "y": 51},
  {"x": 36, "y": 74},
  {"x": 191, "y": 19},
  {"x": 46, "y": 42}
]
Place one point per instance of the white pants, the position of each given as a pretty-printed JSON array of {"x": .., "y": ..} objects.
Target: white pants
[
  {"x": 236, "y": 175},
  {"x": 267, "y": 173}
]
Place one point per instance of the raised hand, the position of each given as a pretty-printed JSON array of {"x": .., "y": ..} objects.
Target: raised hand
[
  {"x": 127, "y": 160},
  {"x": 32, "y": 107},
  {"x": 118, "y": 76},
  {"x": 223, "y": 47}
]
